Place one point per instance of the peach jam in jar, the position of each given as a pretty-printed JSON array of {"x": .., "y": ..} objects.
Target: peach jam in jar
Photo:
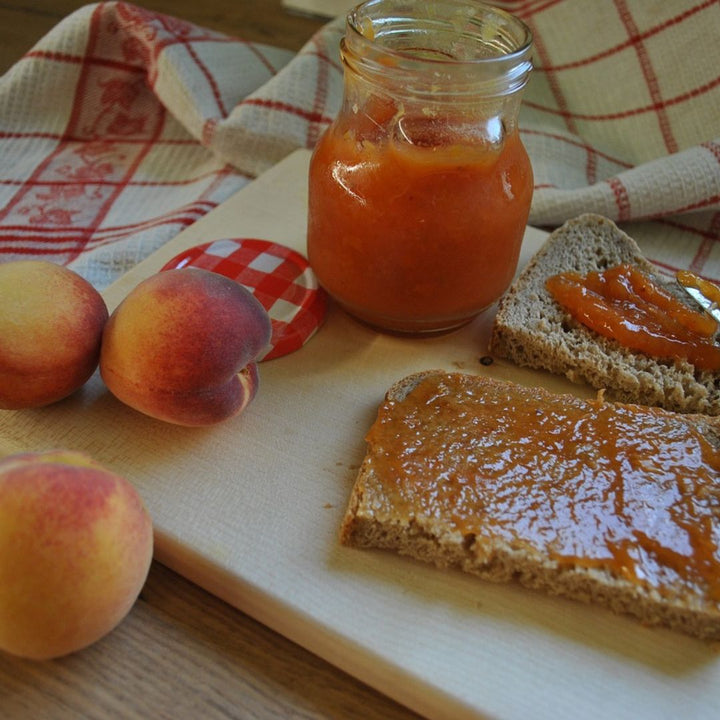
[{"x": 420, "y": 189}]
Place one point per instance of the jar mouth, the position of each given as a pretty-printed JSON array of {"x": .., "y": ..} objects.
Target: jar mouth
[{"x": 465, "y": 46}]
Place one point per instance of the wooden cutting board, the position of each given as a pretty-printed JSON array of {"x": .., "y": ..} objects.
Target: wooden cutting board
[{"x": 250, "y": 510}]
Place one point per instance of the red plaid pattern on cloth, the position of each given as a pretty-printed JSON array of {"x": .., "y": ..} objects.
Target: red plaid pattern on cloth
[
  {"x": 102, "y": 127},
  {"x": 123, "y": 126},
  {"x": 280, "y": 278}
]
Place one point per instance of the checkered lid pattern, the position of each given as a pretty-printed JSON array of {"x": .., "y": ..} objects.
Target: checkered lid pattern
[
  {"x": 277, "y": 276},
  {"x": 122, "y": 126}
]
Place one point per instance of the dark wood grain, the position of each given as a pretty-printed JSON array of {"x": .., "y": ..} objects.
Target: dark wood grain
[
  {"x": 22, "y": 24},
  {"x": 182, "y": 653}
]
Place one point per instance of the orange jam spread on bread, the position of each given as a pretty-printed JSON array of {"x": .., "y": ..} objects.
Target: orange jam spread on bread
[
  {"x": 630, "y": 490},
  {"x": 710, "y": 290},
  {"x": 625, "y": 304}
]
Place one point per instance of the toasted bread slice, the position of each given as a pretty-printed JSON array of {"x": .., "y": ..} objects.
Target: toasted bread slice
[
  {"x": 600, "y": 502},
  {"x": 531, "y": 329}
]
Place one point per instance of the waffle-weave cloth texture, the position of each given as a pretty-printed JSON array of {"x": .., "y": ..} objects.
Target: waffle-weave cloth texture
[{"x": 123, "y": 126}]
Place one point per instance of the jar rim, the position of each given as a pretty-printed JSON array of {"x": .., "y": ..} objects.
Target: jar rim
[
  {"x": 372, "y": 15},
  {"x": 462, "y": 43}
]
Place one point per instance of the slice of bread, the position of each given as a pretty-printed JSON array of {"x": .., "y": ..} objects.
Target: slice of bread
[
  {"x": 490, "y": 477},
  {"x": 531, "y": 329}
]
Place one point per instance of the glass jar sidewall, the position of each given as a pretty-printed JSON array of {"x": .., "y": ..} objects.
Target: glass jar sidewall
[
  {"x": 390, "y": 115},
  {"x": 372, "y": 196},
  {"x": 393, "y": 37}
]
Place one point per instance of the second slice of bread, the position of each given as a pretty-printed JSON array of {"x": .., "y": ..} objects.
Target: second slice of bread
[
  {"x": 531, "y": 329},
  {"x": 447, "y": 480}
]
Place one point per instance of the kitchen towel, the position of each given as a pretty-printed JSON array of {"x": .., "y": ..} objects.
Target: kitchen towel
[{"x": 123, "y": 126}]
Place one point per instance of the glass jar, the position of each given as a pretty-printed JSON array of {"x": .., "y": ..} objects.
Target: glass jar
[{"x": 420, "y": 189}]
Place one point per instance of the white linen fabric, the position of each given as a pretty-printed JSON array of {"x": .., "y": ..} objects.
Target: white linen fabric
[{"x": 122, "y": 126}]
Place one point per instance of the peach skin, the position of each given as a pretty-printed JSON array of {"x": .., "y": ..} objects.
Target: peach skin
[
  {"x": 181, "y": 346},
  {"x": 76, "y": 544},
  {"x": 51, "y": 323}
]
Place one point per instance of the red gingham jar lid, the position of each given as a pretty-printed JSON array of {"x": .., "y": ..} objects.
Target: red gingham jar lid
[{"x": 280, "y": 278}]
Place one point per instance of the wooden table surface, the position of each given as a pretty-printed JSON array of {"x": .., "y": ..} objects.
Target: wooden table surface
[{"x": 181, "y": 653}]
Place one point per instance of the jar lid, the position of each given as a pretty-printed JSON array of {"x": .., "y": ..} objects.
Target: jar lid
[{"x": 280, "y": 278}]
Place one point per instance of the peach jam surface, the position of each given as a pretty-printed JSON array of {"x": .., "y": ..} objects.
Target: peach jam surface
[
  {"x": 416, "y": 237},
  {"x": 625, "y": 304},
  {"x": 586, "y": 483}
]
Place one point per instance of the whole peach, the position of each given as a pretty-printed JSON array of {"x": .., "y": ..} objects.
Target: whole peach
[
  {"x": 181, "y": 345},
  {"x": 51, "y": 323},
  {"x": 75, "y": 548}
]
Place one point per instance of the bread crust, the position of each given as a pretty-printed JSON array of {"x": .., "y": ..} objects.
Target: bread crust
[
  {"x": 532, "y": 330},
  {"x": 373, "y": 521}
]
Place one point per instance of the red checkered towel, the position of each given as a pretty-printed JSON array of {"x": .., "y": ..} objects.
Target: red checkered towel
[{"x": 123, "y": 126}]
